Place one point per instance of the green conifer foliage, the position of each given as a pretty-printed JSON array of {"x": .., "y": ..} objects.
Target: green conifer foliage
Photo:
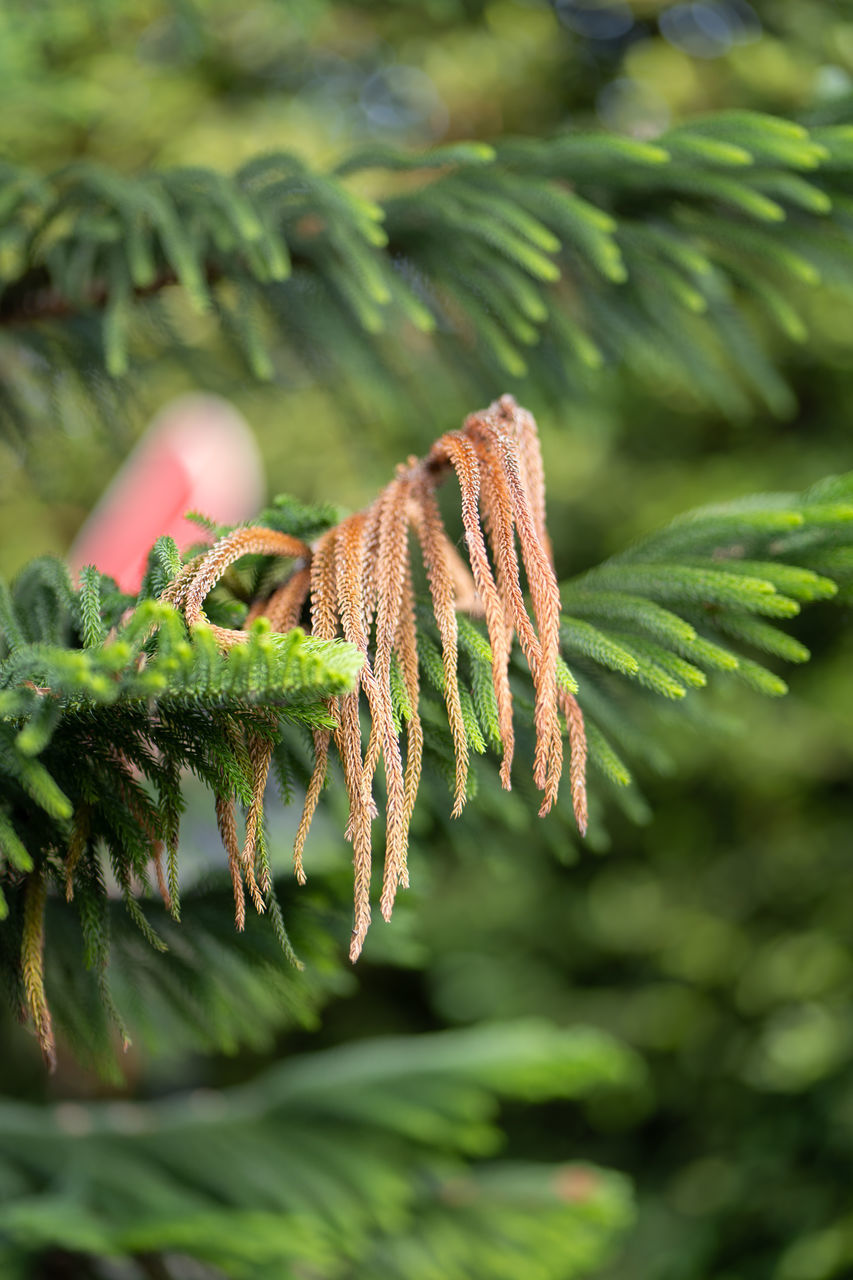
[
  {"x": 106, "y": 701},
  {"x": 377, "y": 1158},
  {"x": 692, "y": 267},
  {"x": 556, "y": 258}
]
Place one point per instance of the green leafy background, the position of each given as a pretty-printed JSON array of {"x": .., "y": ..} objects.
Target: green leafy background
[{"x": 710, "y": 945}]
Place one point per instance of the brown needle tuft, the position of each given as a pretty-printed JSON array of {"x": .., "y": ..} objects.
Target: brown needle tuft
[
  {"x": 359, "y": 582},
  {"x": 577, "y": 764},
  {"x": 32, "y": 964},
  {"x": 211, "y": 566},
  {"x": 227, "y": 824}
]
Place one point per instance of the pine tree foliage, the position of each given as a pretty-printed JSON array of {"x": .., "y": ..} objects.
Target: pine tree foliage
[
  {"x": 694, "y": 264},
  {"x": 701, "y": 599},
  {"x": 212, "y": 989},
  {"x": 555, "y": 257},
  {"x": 95, "y": 736},
  {"x": 96, "y": 733},
  {"x": 375, "y": 1159},
  {"x": 359, "y": 573}
]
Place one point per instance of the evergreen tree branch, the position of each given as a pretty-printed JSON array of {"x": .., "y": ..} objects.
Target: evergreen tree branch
[
  {"x": 105, "y": 701},
  {"x": 670, "y": 259},
  {"x": 700, "y": 602},
  {"x": 328, "y": 1161}
]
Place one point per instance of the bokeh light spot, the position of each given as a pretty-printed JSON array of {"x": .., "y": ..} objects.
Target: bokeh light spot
[
  {"x": 709, "y": 28},
  {"x": 403, "y": 100},
  {"x": 593, "y": 21}
]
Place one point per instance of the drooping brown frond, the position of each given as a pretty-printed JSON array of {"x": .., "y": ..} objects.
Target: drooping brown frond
[
  {"x": 464, "y": 587},
  {"x": 32, "y": 964},
  {"x": 211, "y": 566},
  {"x": 389, "y": 579},
  {"x": 577, "y": 763},
  {"x": 349, "y": 747},
  {"x": 350, "y": 574},
  {"x": 260, "y": 755},
  {"x": 322, "y": 738},
  {"x": 406, "y": 647},
  {"x": 533, "y": 472},
  {"x": 433, "y": 544},
  {"x": 324, "y": 612},
  {"x": 227, "y": 824},
  {"x": 324, "y": 625},
  {"x": 329, "y": 571},
  {"x": 241, "y": 861},
  {"x": 511, "y": 505},
  {"x": 358, "y": 580},
  {"x": 460, "y": 452},
  {"x": 351, "y": 599}
]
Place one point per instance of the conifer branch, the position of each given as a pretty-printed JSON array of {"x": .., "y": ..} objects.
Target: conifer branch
[
  {"x": 372, "y": 1153},
  {"x": 361, "y": 581},
  {"x": 104, "y": 700},
  {"x": 557, "y": 257}
]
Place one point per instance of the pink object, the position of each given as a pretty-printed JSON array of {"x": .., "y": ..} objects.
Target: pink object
[{"x": 197, "y": 455}]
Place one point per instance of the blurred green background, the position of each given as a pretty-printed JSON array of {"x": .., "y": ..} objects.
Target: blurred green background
[{"x": 718, "y": 937}]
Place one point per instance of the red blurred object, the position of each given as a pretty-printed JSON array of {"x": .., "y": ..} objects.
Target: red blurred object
[{"x": 197, "y": 455}]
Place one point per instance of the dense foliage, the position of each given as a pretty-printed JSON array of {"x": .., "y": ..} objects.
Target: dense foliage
[{"x": 372, "y": 219}]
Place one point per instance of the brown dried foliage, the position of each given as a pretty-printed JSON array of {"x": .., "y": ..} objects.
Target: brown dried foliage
[
  {"x": 358, "y": 578},
  {"x": 32, "y": 966}
]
